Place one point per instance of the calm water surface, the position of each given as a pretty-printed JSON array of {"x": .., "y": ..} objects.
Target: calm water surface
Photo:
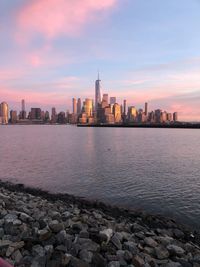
[{"x": 157, "y": 170}]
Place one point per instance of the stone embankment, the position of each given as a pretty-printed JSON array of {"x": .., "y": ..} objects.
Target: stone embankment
[{"x": 39, "y": 229}]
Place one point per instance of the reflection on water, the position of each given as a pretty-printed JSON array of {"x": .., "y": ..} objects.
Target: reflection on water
[{"x": 153, "y": 169}]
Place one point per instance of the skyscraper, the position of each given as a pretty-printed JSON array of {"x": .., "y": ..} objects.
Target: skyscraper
[
  {"x": 4, "y": 112},
  {"x": 74, "y": 106},
  {"x": 146, "y": 109},
  {"x": 97, "y": 93},
  {"x": 105, "y": 98},
  {"x": 79, "y": 106},
  {"x": 124, "y": 111},
  {"x": 112, "y": 100},
  {"x": 23, "y": 111},
  {"x": 88, "y": 107},
  {"x": 53, "y": 115}
]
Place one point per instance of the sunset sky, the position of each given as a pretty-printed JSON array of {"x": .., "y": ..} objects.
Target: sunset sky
[{"x": 146, "y": 50}]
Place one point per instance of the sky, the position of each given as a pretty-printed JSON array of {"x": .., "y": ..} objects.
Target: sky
[{"x": 145, "y": 51}]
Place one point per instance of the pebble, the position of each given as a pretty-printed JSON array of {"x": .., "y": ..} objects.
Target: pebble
[{"x": 41, "y": 233}]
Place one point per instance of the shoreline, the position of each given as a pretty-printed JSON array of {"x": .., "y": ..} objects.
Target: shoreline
[{"x": 121, "y": 221}]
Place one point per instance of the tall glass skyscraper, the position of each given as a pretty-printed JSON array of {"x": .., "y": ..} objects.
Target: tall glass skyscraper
[{"x": 97, "y": 93}]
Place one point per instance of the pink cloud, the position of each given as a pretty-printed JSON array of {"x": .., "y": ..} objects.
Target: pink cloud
[{"x": 52, "y": 18}]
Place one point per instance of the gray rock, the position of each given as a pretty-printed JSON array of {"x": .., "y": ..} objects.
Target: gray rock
[
  {"x": 98, "y": 260},
  {"x": 150, "y": 242},
  {"x": 17, "y": 256},
  {"x": 1, "y": 233},
  {"x": 38, "y": 250},
  {"x": 138, "y": 261},
  {"x": 86, "y": 255},
  {"x": 88, "y": 244},
  {"x": 106, "y": 234},
  {"x": 161, "y": 253},
  {"x": 39, "y": 261},
  {"x": 25, "y": 217},
  {"x": 4, "y": 244},
  {"x": 130, "y": 246},
  {"x": 44, "y": 234},
  {"x": 173, "y": 264},
  {"x": 56, "y": 226},
  {"x": 114, "y": 264},
  {"x": 175, "y": 250},
  {"x": 116, "y": 242}
]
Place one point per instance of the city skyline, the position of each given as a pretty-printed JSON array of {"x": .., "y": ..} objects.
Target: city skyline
[{"x": 49, "y": 57}]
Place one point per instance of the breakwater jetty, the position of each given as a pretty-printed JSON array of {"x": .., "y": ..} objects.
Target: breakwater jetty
[{"x": 40, "y": 229}]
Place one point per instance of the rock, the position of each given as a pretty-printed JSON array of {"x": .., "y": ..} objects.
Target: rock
[
  {"x": 88, "y": 244},
  {"x": 66, "y": 215},
  {"x": 178, "y": 233},
  {"x": 1, "y": 233},
  {"x": 74, "y": 262},
  {"x": 38, "y": 250},
  {"x": 175, "y": 250},
  {"x": 98, "y": 260},
  {"x": 39, "y": 261},
  {"x": 13, "y": 247},
  {"x": 173, "y": 264},
  {"x": 130, "y": 246},
  {"x": 56, "y": 226},
  {"x": 25, "y": 217},
  {"x": 48, "y": 249},
  {"x": 86, "y": 255},
  {"x": 106, "y": 234},
  {"x": 114, "y": 264},
  {"x": 4, "y": 244},
  {"x": 138, "y": 261},
  {"x": 128, "y": 256},
  {"x": 161, "y": 253},
  {"x": 115, "y": 240},
  {"x": 44, "y": 234},
  {"x": 17, "y": 256},
  {"x": 61, "y": 237},
  {"x": 97, "y": 215},
  {"x": 150, "y": 242},
  {"x": 84, "y": 234}
]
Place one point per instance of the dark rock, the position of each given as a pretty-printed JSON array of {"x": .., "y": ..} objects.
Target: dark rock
[
  {"x": 98, "y": 260},
  {"x": 161, "y": 253},
  {"x": 86, "y": 255},
  {"x": 116, "y": 242},
  {"x": 175, "y": 250},
  {"x": 138, "y": 261}
]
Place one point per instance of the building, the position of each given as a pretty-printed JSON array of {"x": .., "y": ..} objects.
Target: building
[
  {"x": 74, "y": 106},
  {"x": 23, "y": 111},
  {"x": 113, "y": 100},
  {"x": 13, "y": 116},
  {"x": 4, "y": 113},
  {"x": 61, "y": 117},
  {"x": 47, "y": 117},
  {"x": 175, "y": 116},
  {"x": 53, "y": 115},
  {"x": 105, "y": 98},
  {"x": 97, "y": 93},
  {"x": 146, "y": 109},
  {"x": 132, "y": 114},
  {"x": 169, "y": 117},
  {"x": 158, "y": 115},
  {"x": 79, "y": 107},
  {"x": 36, "y": 114},
  {"x": 88, "y": 107},
  {"x": 124, "y": 108},
  {"x": 117, "y": 113}
]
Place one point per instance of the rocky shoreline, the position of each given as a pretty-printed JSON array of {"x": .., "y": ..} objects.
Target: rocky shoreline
[{"x": 40, "y": 229}]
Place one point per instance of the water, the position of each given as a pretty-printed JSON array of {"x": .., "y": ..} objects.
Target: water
[{"x": 157, "y": 170}]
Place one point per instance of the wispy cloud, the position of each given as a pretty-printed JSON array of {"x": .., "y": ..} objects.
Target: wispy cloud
[{"x": 53, "y": 18}]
